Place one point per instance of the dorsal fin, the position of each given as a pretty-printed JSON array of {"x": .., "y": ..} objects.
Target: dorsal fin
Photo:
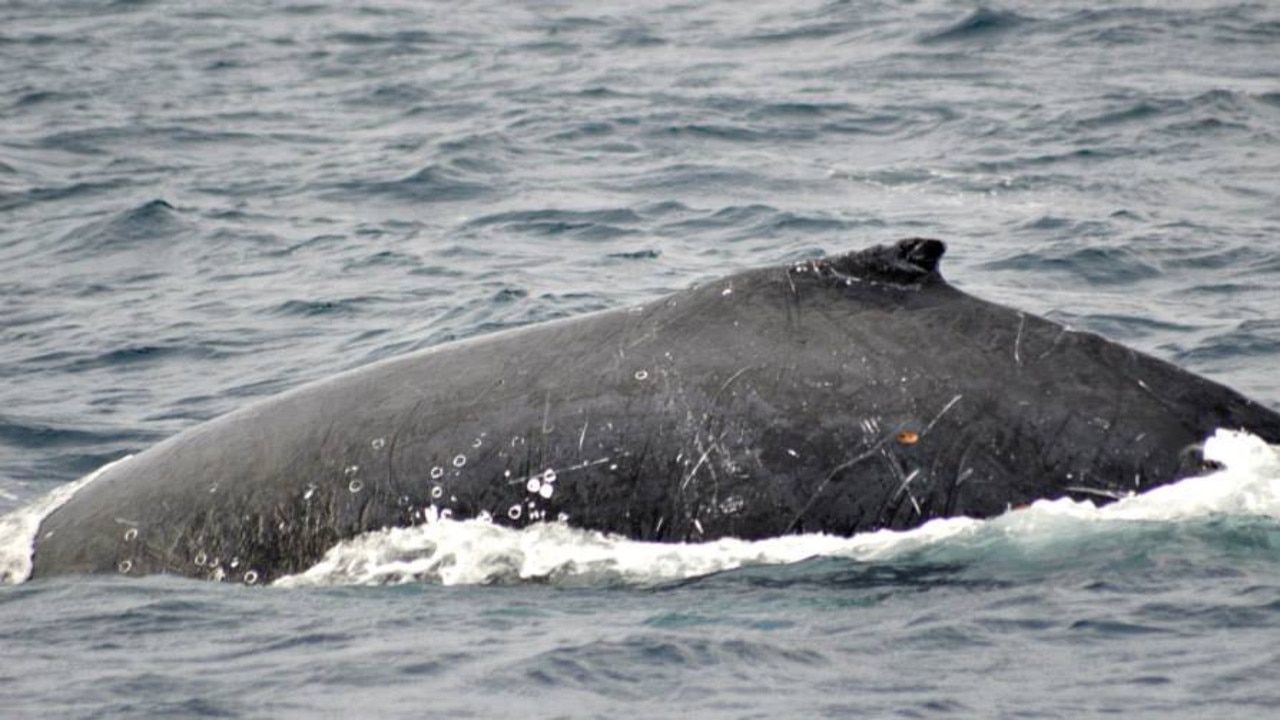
[{"x": 905, "y": 262}]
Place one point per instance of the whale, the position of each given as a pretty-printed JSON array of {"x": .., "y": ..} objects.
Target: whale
[{"x": 840, "y": 395}]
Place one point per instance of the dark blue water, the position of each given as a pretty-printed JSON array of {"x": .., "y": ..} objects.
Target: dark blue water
[{"x": 202, "y": 205}]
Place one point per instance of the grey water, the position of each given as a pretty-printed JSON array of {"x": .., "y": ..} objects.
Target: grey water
[{"x": 204, "y": 204}]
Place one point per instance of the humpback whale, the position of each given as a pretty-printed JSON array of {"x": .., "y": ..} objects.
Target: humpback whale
[{"x": 839, "y": 395}]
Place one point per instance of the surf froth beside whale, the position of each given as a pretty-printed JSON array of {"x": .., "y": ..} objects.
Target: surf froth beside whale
[{"x": 839, "y": 395}]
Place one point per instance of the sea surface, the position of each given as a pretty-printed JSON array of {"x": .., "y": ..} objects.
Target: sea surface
[{"x": 202, "y": 204}]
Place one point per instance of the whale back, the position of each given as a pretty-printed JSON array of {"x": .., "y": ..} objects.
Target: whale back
[{"x": 840, "y": 395}]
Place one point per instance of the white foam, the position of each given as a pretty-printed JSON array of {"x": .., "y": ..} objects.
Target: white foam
[
  {"x": 479, "y": 552},
  {"x": 18, "y": 529}
]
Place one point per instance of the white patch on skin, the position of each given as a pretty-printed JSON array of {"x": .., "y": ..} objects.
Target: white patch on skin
[
  {"x": 1017, "y": 341},
  {"x": 732, "y": 504}
]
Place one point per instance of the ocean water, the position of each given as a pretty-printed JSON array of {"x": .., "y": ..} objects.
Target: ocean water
[{"x": 204, "y": 204}]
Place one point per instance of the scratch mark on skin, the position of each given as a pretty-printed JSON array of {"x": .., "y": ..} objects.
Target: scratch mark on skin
[
  {"x": 963, "y": 473},
  {"x": 558, "y": 473},
  {"x": 486, "y": 391},
  {"x": 1100, "y": 492},
  {"x": 792, "y": 283},
  {"x": 870, "y": 452},
  {"x": 391, "y": 450},
  {"x": 697, "y": 466},
  {"x": 906, "y": 487},
  {"x": 589, "y": 463},
  {"x": 833, "y": 272},
  {"x": 1058, "y": 434},
  {"x": 1053, "y": 345},
  {"x": 546, "y": 414},
  {"x": 582, "y": 437},
  {"x": 1017, "y": 341},
  {"x": 1147, "y": 389},
  {"x": 727, "y": 383},
  {"x": 395, "y": 437},
  {"x": 894, "y": 503},
  {"x": 941, "y": 412}
]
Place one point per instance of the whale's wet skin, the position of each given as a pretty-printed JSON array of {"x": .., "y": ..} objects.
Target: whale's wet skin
[{"x": 841, "y": 395}]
